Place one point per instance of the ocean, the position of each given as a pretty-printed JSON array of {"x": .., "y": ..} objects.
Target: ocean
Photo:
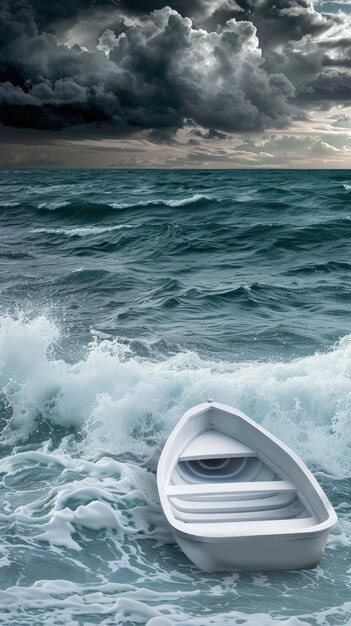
[{"x": 126, "y": 298}]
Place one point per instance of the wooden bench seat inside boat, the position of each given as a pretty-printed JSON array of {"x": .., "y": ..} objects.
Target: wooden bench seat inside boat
[{"x": 229, "y": 488}]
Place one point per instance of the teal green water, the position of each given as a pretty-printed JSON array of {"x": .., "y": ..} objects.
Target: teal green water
[{"x": 126, "y": 298}]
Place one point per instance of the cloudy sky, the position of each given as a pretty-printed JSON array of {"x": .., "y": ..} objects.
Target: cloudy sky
[{"x": 188, "y": 83}]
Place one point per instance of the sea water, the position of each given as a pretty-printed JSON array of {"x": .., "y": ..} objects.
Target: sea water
[{"x": 126, "y": 298}]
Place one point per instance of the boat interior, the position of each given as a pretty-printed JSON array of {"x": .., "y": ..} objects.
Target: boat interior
[{"x": 220, "y": 481}]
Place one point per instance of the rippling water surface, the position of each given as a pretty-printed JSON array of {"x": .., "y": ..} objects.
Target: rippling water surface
[{"x": 127, "y": 297}]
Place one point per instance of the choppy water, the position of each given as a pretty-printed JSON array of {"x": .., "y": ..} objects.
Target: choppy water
[{"x": 127, "y": 297}]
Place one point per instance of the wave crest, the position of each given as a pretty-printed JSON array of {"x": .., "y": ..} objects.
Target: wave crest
[
  {"x": 81, "y": 206},
  {"x": 85, "y": 231},
  {"x": 122, "y": 402}
]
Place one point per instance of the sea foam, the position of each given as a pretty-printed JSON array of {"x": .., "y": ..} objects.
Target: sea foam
[{"x": 119, "y": 401}]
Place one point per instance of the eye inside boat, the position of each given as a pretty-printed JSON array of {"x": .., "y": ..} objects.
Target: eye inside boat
[
  {"x": 219, "y": 479},
  {"x": 229, "y": 490},
  {"x": 224, "y": 469}
]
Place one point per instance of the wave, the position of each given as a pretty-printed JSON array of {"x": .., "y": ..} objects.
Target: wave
[
  {"x": 187, "y": 201},
  {"x": 84, "y": 231},
  {"x": 125, "y": 403},
  {"x": 58, "y": 204},
  {"x": 347, "y": 186},
  {"x": 176, "y": 202},
  {"x": 10, "y": 203},
  {"x": 82, "y": 203},
  {"x": 323, "y": 267}
]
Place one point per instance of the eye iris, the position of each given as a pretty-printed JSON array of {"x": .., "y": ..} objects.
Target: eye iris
[
  {"x": 213, "y": 463},
  {"x": 215, "y": 468}
]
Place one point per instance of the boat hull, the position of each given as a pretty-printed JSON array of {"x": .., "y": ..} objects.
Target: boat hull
[
  {"x": 249, "y": 554},
  {"x": 237, "y": 499}
]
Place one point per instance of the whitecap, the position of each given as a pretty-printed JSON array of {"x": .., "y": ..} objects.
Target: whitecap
[
  {"x": 10, "y": 203},
  {"x": 84, "y": 231},
  {"x": 173, "y": 202},
  {"x": 53, "y": 205},
  {"x": 185, "y": 201},
  {"x": 120, "y": 400}
]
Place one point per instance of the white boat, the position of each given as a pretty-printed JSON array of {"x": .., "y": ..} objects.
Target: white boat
[{"x": 237, "y": 498}]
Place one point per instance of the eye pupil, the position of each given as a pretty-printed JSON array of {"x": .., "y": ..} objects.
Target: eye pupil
[
  {"x": 213, "y": 469},
  {"x": 213, "y": 463}
]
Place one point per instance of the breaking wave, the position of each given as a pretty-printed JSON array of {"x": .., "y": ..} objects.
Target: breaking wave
[{"x": 122, "y": 402}]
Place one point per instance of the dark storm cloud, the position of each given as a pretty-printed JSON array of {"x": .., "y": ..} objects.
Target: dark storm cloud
[
  {"x": 308, "y": 47},
  {"x": 205, "y": 13},
  {"x": 158, "y": 74},
  {"x": 212, "y": 133},
  {"x": 157, "y": 71},
  {"x": 280, "y": 20},
  {"x": 275, "y": 20},
  {"x": 48, "y": 12}
]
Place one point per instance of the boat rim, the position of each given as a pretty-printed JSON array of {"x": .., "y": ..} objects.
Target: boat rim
[{"x": 190, "y": 531}]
